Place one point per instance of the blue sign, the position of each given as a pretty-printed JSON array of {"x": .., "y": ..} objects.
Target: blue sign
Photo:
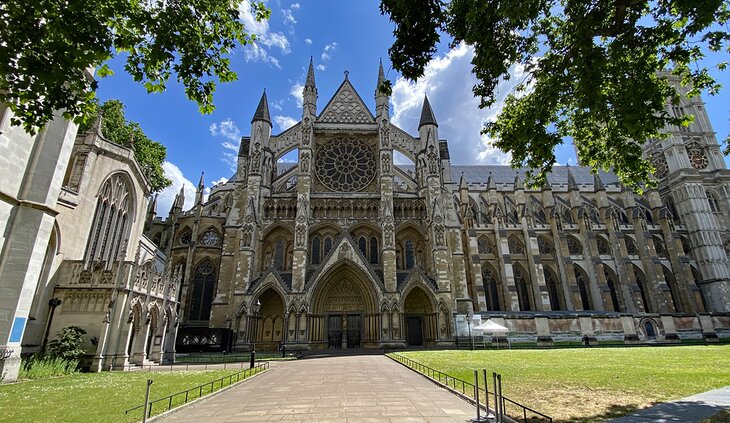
[{"x": 16, "y": 333}]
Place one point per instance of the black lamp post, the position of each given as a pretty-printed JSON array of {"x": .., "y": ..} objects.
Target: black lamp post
[
  {"x": 255, "y": 310},
  {"x": 468, "y": 323}
]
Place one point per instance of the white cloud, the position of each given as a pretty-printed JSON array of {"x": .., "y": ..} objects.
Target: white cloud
[
  {"x": 448, "y": 81},
  {"x": 255, "y": 52},
  {"x": 231, "y": 135},
  {"x": 308, "y": 41},
  {"x": 167, "y": 195},
  {"x": 284, "y": 122},
  {"x": 288, "y": 14},
  {"x": 321, "y": 67},
  {"x": 328, "y": 49},
  {"x": 297, "y": 91},
  {"x": 207, "y": 190}
]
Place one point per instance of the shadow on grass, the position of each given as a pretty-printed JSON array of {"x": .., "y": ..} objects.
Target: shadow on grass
[{"x": 612, "y": 412}]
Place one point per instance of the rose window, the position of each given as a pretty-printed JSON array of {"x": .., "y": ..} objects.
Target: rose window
[
  {"x": 345, "y": 165},
  {"x": 660, "y": 165},
  {"x": 697, "y": 156},
  {"x": 210, "y": 238}
]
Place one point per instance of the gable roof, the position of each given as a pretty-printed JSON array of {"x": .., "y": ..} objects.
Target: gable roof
[{"x": 346, "y": 106}]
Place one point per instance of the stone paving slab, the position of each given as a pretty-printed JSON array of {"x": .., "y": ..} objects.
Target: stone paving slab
[
  {"x": 693, "y": 409},
  {"x": 359, "y": 389}
]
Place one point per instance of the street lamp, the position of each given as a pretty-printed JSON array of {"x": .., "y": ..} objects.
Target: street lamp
[
  {"x": 255, "y": 310},
  {"x": 468, "y": 323}
]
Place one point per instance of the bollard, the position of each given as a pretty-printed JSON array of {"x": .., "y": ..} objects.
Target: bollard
[
  {"x": 476, "y": 394},
  {"x": 146, "y": 401}
]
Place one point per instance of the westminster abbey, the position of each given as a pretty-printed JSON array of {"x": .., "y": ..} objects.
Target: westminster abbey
[{"x": 349, "y": 248}]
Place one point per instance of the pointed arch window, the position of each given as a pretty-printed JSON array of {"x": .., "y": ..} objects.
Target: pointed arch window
[
  {"x": 490, "y": 289},
  {"x": 327, "y": 245},
  {"x": 714, "y": 204},
  {"x": 362, "y": 245},
  {"x": 612, "y": 288},
  {"x": 523, "y": 293},
  {"x": 585, "y": 298},
  {"x": 316, "y": 245},
  {"x": 203, "y": 290},
  {"x": 109, "y": 229},
  {"x": 553, "y": 293},
  {"x": 410, "y": 255},
  {"x": 604, "y": 248},
  {"x": 279, "y": 255},
  {"x": 641, "y": 282},
  {"x": 374, "y": 251},
  {"x": 574, "y": 246}
]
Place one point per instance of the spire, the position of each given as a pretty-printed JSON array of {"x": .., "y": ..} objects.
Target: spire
[
  {"x": 201, "y": 188},
  {"x": 427, "y": 117},
  {"x": 518, "y": 182},
  {"x": 490, "y": 182},
  {"x": 262, "y": 111},
  {"x": 310, "y": 74},
  {"x": 381, "y": 74},
  {"x": 309, "y": 93},
  {"x": 462, "y": 182},
  {"x": 598, "y": 183},
  {"x": 572, "y": 186},
  {"x": 181, "y": 196},
  {"x": 174, "y": 204}
]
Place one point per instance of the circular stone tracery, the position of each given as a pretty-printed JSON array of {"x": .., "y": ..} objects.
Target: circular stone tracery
[{"x": 345, "y": 165}]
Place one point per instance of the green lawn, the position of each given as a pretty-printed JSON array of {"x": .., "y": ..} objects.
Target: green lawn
[
  {"x": 93, "y": 397},
  {"x": 591, "y": 384}
]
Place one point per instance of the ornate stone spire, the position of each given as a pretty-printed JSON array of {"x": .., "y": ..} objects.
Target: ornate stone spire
[
  {"x": 598, "y": 183},
  {"x": 462, "y": 182},
  {"x": 262, "y": 111},
  {"x": 572, "y": 186},
  {"x": 490, "y": 182},
  {"x": 427, "y": 117},
  {"x": 309, "y": 93},
  {"x": 518, "y": 182},
  {"x": 201, "y": 188}
]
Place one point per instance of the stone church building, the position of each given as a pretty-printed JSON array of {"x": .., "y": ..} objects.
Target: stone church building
[{"x": 347, "y": 248}]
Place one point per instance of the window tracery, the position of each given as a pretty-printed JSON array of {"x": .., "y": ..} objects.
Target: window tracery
[
  {"x": 110, "y": 227},
  {"x": 345, "y": 165}
]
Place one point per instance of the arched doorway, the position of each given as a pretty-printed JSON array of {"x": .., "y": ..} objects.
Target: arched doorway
[
  {"x": 344, "y": 313},
  {"x": 270, "y": 325},
  {"x": 419, "y": 318}
]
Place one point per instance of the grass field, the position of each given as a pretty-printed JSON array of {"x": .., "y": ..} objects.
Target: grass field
[
  {"x": 93, "y": 397},
  {"x": 591, "y": 384}
]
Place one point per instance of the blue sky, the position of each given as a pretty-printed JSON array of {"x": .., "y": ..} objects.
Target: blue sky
[{"x": 339, "y": 35}]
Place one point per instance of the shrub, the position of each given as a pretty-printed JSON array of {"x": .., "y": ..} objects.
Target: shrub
[{"x": 69, "y": 345}]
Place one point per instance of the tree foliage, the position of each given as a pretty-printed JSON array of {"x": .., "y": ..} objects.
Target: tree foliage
[
  {"x": 116, "y": 128},
  {"x": 69, "y": 344},
  {"x": 50, "y": 49},
  {"x": 598, "y": 72}
]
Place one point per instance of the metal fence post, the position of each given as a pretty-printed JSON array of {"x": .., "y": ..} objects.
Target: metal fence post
[
  {"x": 501, "y": 399},
  {"x": 486, "y": 391},
  {"x": 146, "y": 401},
  {"x": 476, "y": 394}
]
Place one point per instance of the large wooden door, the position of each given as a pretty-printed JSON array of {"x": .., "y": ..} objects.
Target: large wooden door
[
  {"x": 415, "y": 331},
  {"x": 354, "y": 330},
  {"x": 334, "y": 331}
]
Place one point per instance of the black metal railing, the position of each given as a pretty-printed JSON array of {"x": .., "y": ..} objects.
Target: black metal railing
[
  {"x": 169, "y": 402},
  {"x": 501, "y": 405}
]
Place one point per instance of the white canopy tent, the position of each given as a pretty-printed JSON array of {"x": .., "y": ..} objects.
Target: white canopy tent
[{"x": 494, "y": 328}]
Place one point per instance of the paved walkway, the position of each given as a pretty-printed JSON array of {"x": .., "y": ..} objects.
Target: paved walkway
[
  {"x": 692, "y": 409},
  {"x": 370, "y": 388}
]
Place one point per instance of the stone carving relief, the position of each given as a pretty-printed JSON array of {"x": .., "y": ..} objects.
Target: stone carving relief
[
  {"x": 385, "y": 161},
  {"x": 306, "y": 132},
  {"x": 256, "y": 158},
  {"x": 345, "y": 108},
  {"x": 385, "y": 133},
  {"x": 305, "y": 162}
]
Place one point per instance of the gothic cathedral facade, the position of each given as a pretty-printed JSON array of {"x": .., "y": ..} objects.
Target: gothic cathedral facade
[{"x": 348, "y": 248}]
